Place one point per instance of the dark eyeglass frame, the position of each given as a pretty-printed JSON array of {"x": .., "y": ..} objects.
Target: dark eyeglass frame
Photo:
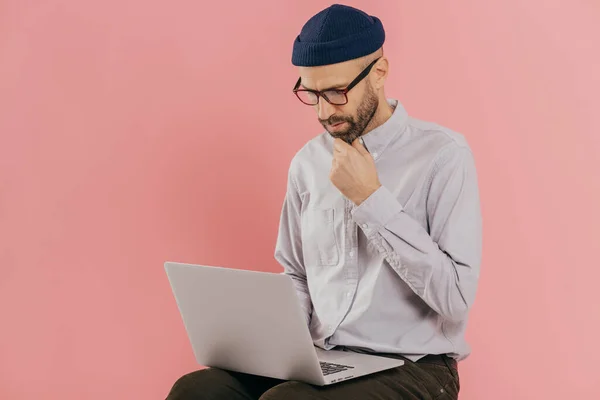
[{"x": 321, "y": 93}]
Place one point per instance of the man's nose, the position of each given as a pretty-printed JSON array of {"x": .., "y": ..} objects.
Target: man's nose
[{"x": 324, "y": 109}]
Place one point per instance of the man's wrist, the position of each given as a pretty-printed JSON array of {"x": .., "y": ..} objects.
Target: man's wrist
[{"x": 364, "y": 195}]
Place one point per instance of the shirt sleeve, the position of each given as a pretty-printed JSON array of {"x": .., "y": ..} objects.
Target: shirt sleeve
[
  {"x": 441, "y": 263},
  {"x": 288, "y": 249}
]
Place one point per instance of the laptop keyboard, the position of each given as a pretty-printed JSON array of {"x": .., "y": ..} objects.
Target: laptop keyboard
[{"x": 331, "y": 368}]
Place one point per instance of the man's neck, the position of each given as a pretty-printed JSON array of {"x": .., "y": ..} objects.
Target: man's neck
[{"x": 383, "y": 113}]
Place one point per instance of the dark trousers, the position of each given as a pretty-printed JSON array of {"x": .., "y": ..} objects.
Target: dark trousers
[{"x": 434, "y": 377}]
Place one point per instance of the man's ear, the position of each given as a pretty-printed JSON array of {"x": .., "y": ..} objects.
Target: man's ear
[{"x": 380, "y": 73}]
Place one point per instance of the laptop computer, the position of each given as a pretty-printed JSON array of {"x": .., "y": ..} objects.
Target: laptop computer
[{"x": 252, "y": 322}]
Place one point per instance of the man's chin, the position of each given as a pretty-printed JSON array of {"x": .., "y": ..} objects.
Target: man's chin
[
  {"x": 348, "y": 138},
  {"x": 340, "y": 135},
  {"x": 344, "y": 138}
]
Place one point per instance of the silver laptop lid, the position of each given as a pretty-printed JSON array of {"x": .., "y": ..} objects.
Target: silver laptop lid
[{"x": 244, "y": 321}]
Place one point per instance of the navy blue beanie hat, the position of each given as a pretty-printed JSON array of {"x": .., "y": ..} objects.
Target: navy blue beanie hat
[{"x": 336, "y": 34}]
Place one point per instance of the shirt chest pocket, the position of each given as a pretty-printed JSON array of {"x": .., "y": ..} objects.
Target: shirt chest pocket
[{"x": 319, "y": 242}]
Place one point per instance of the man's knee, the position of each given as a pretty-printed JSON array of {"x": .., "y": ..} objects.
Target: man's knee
[
  {"x": 205, "y": 384},
  {"x": 291, "y": 390}
]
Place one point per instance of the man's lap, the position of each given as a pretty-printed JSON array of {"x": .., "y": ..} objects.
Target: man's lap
[
  {"x": 411, "y": 381},
  {"x": 398, "y": 383}
]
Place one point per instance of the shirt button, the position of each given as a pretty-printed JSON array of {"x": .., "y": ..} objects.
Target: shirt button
[
  {"x": 351, "y": 254},
  {"x": 374, "y": 155},
  {"x": 365, "y": 226},
  {"x": 349, "y": 294}
]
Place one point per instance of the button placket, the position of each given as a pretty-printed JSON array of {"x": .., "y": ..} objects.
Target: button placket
[{"x": 351, "y": 266}]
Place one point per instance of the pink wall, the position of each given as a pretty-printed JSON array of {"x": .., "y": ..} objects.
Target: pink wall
[{"x": 133, "y": 132}]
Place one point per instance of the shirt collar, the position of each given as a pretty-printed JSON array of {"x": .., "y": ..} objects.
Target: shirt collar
[{"x": 378, "y": 139}]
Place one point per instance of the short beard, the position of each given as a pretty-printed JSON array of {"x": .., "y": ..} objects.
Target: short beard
[{"x": 365, "y": 113}]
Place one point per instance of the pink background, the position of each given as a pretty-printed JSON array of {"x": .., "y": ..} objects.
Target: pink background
[{"x": 134, "y": 132}]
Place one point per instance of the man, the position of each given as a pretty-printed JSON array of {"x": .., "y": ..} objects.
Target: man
[{"x": 380, "y": 228}]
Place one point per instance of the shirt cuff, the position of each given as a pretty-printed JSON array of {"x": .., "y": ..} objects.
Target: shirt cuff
[{"x": 377, "y": 210}]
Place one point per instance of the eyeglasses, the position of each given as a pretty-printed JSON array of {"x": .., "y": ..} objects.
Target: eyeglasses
[{"x": 337, "y": 97}]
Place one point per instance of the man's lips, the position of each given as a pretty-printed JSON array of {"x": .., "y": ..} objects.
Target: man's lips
[{"x": 337, "y": 126}]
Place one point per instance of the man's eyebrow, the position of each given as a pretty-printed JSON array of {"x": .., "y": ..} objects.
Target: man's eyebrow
[{"x": 334, "y": 87}]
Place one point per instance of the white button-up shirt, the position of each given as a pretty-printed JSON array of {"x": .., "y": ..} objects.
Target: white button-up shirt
[{"x": 398, "y": 273}]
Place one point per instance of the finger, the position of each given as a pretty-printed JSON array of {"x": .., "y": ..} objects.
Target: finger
[
  {"x": 340, "y": 147},
  {"x": 339, "y": 144},
  {"x": 334, "y": 164}
]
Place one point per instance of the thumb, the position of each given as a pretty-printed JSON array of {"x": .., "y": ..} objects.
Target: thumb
[{"x": 357, "y": 144}]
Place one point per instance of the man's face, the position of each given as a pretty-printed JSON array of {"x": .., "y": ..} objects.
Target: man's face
[{"x": 347, "y": 121}]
